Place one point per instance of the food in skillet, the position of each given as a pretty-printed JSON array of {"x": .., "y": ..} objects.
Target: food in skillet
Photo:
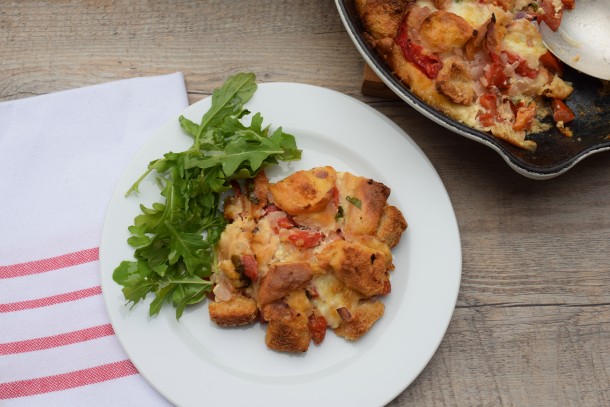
[
  {"x": 310, "y": 252},
  {"x": 481, "y": 62}
]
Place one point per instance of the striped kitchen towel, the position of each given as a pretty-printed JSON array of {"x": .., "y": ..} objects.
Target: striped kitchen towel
[{"x": 61, "y": 156}]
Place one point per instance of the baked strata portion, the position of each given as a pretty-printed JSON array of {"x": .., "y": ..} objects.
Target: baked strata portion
[
  {"x": 306, "y": 254},
  {"x": 481, "y": 62}
]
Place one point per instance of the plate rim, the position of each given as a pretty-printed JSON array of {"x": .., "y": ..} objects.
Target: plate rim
[{"x": 107, "y": 289}]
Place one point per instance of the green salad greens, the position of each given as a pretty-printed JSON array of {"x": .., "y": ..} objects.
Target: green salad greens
[{"x": 174, "y": 239}]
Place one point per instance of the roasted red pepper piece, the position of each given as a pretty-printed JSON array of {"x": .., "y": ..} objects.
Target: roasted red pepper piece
[
  {"x": 428, "y": 63},
  {"x": 525, "y": 117},
  {"x": 317, "y": 328},
  {"x": 250, "y": 267},
  {"x": 561, "y": 111},
  {"x": 305, "y": 239},
  {"x": 488, "y": 102},
  {"x": 550, "y": 62},
  {"x": 522, "y": 69},
  {"x": 550, "y": 16}
]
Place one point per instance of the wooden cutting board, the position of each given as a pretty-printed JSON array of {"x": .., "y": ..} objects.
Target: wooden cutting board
[{"x": 373, "y": 86}]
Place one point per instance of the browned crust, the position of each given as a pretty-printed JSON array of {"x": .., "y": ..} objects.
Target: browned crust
[
  {"x": 455, "y": 82},
  {"x": 359, "y": 267},
  {"x": 260, "y": 189},
  {"x": 381, "y": 31},
  {"x": 381, "y": 18},
  {"x": 391, "y": 226},
  {"x": 305, "y": 191},
  {"x": 288, "y": 330},
  {"x": 359, "y": 263},
  {"x": 443, "y": 31},
  {"x": 372, "y": 195},
  {"x": 363, "y": 318},
  {"x": 235, "y": 312}
]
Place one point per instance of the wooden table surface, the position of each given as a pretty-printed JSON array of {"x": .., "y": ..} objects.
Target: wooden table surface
[{"x": 532, "y": 321}]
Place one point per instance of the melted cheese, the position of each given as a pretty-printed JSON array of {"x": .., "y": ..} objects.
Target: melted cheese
[
  {"x": 235, "y": 238},
  {"x": 475, "y": 13},
  {"x": 524, "y": 40},
  {"x": 332, "y": 294},
  {"x": 265, "y": 244}
]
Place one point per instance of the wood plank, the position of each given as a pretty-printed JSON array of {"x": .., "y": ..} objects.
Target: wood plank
[{"x": 518, "y": 356}]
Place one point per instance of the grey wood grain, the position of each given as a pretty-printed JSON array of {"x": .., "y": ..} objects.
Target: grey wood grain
[{"x": 532, "y": 323}]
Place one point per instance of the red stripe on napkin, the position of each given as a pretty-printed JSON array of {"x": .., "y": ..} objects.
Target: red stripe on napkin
[
  {"x": 65, "y": 381},
  {"x": 55, "y": 299},
  {"x": 53, "y": 263},
  {"x": 54, "y": 341}
]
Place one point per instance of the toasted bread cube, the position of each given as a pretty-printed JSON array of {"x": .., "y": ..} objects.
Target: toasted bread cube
[
  {"x": 288, "y": 329},
  {"x": 391, "y": 226},
  {"x": 237, "y": 311},
  {"x": 362, "y": 200},
  {"x": 381, "y": 17},
  {"x": 362, "y": 319},
  {"x": 305, "y": 191},
  {"x": 359, "y": 267},
  {"x": 443, "y": 31}
]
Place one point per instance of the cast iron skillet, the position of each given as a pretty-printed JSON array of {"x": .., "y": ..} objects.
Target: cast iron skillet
[{"x": 555, "y": 154}]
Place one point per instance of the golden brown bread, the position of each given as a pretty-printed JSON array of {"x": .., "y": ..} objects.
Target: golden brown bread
[
  {"x": 361, "y": 217},
  {"x": 237, "y": 311},
  {"x": 305, "y": 191},
  {"x": 307, "y": 253},
  {"x": 391, "y": 226},
  {"x": 381, "y": 17},
  {"x": 362, "y": 319},
  {"x": 359, "y": 267},
  {"x": 288, "y": 329},
  {"x": 455, "y": 82},
  {"x": 443, "y": 31}
]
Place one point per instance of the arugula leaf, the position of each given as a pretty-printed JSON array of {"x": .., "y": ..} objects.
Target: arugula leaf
[{"x": 174, "y": 240}]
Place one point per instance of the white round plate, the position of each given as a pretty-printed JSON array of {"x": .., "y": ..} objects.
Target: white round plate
[{"x": 192, "y": 362}]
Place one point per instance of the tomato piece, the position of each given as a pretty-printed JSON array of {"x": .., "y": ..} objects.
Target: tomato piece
[
  {"x": 487, "y": 119},
  {"x": 317, "y": 328},
  {"x": 250, "y": 266},
  {"x": 550, "y": 16},
  {"x": 550, "y": 62},
  {"x": 561, "y": 111},
  {"x": 525, "y": 117},
  {"x": 522, "y": 69},
  {"x": 428, "y": 63},
  {"x": 285, "y": 222},
  {"x": 569, "y": 4},
  {"x": 488, "y": 101},
  {"x": 305, "y": 239},
  {"x": 495, "y": 76},
  {"x": 271, "y": 208}
]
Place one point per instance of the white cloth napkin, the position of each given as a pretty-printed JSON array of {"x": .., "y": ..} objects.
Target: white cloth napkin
[{"x": 61, "y": 155}]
